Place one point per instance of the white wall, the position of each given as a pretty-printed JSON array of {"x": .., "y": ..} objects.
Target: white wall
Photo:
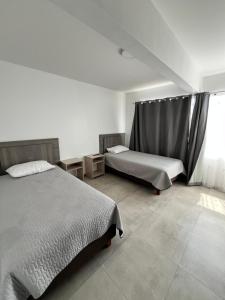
[
  {"x": 154, "y": 93},
  {"x": 35, "y": 104}
]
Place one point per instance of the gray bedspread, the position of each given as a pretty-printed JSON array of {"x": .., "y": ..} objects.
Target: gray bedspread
[
  {"x": 45, "y": 221},
  {"x": 158, "y": 170}
]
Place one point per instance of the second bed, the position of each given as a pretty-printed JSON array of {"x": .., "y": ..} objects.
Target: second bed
[{"x": 157, "y": 170}]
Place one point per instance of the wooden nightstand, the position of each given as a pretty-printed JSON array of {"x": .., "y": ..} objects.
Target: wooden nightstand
[
  {"x": 95, "y": 165},
  {"x": 74, "y": 166}
]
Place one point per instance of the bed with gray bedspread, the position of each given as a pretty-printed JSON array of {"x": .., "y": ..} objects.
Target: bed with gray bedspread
[
  {"x": 155, "y": 169},
  {"x": 45, "y": 221}
]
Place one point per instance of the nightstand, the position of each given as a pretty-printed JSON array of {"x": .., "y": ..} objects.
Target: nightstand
[
  {"x": 95, "y": 165},
  {"x": 74, "y": 166}
]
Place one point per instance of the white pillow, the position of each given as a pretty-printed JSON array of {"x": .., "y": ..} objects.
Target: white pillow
[
  {"x": 29, "y": 168},
  {"x": 117, "y": 149}
]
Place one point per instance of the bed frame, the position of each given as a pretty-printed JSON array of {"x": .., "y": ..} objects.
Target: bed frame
[
  {"x": 113, "y": 139},
  {"x": 17, "y": 152},
  {"x": 110, "y": 140},
  {"x": 81, "y": 259}
]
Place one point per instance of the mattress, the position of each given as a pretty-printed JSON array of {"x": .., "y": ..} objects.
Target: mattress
[
  {"x": 45, "y": 221},
  {"x": 155, "y": 169}
]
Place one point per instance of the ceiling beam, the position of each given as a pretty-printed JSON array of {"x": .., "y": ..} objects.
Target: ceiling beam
[
  {"x": 214, "y": 82},
  {"x": 139, "y": 28}
]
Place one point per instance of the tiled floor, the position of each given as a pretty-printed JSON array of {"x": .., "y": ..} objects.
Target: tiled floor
[{"x": 173, "y": 247}]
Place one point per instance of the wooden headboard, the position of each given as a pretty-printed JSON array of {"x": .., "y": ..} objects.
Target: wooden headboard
[
  {"x": 17, "y": 152},
  {"x": 110, "y": 140}
]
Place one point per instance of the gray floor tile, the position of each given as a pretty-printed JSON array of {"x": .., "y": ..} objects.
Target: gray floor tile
[
  {"x": 117, "y": 192},
  {"x": 210, "y": 235},
  {"x": 205, "y": 262},
  {"x": 128, "y": 277},
  {"x": 133, "y": 212},
  {"x": 102, "y": 256},
  {"x": 183, "y": 214},
  {"x": 114, "y": 187},
  {"x": 98, "y": 287},
  {"x": 139, "y": 271},
  {"x": 166, "y": 225},
  {"x": 186, "y": 287},
  {"x": 162, "y": 243}
]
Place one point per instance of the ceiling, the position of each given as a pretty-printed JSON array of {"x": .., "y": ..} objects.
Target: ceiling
[
  {"x": 44, "y": 37},
  {"x": 41, "y": 35},
  {"x": 200, "y": 27}
]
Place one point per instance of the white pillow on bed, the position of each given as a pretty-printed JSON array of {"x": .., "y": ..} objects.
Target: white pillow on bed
[
  {"x": 29, "y": 168},
  {"x": 117, "y": 149}
]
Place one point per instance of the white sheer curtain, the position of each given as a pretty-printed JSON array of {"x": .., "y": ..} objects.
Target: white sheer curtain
[{"x": 210, "y": 169}]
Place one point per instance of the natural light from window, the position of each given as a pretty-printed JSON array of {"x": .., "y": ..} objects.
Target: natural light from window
[
  {"x": 215, "y": 134},
  {"x": 212, "y": 203},
  {"x": 210, "y": 170}
]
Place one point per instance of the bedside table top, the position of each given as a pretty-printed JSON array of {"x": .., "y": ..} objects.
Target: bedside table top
[
  {"x": 98, "y": 155},
  {"x": 71, "y": 161}
]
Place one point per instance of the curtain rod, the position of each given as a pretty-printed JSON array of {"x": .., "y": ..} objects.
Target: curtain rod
[
  {"x": 176, "y": 97},
  {"x": 216, "y": 92}
]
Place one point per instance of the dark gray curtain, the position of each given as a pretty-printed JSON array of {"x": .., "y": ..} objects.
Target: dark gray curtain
[
  {"x": 197, "y": 131},
  {"x": 162, "y": 128},
  {"x": 2, "y": 172}
]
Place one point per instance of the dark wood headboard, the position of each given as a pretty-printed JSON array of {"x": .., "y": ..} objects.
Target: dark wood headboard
[
  {"x": 110, "y": 140},
  {"x": 17, "y": 152}
]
